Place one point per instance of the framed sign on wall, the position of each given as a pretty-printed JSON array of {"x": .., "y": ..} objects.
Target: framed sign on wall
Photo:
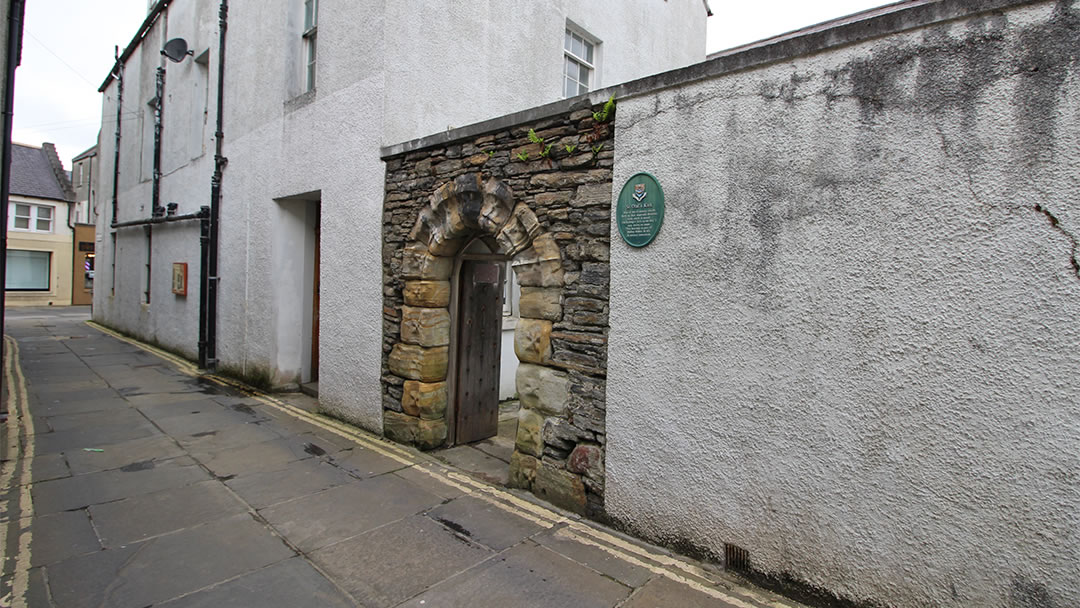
[{"x": 179, "y": 278}]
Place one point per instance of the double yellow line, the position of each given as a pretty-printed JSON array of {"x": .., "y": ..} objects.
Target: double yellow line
[
  {"x": 675, "y": 569},
  {"x": 18, "y": 457}
]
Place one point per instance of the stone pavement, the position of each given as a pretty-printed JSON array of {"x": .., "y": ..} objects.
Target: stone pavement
[{"x": 130, "y": 481}]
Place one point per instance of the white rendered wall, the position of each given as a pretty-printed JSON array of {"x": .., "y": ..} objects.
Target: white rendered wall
[
  {"x": 387, "y": 72},
  {"x": 852, "y": 348}
]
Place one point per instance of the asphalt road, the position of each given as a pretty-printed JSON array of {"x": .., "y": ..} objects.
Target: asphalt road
[{"x": 129, "y": 480}]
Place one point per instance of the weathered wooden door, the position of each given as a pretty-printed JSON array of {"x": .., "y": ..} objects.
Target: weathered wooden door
[{"x": 479, "y": 338}]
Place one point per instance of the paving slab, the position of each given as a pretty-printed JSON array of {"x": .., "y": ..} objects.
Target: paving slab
[
  {"x": 339, "y": 513},
  {"x": 194, "y": 404},
  {"x": 96, "y": 488},
  {"x": 527, "y": 576},
  {"x": 292, "y": 582},
  {"x": 436, "y": 484},
  {"x": 395, "y": 562},
  {"x": 257, "y": 457},
  {"x": 50, "y": 392},
  {"x": 37, "y": 593},
  {"x": 482, "y": 522},
  {"x": 234, "y": 436},
  {"x": 49, "y": 466},
  {"x": 560, "y": 540},
  {"x": 61, "y": 536},
  {"x": 92, "y": 437},
  {"x": 55, "y": 407},
  {"x": 209, "y": 417},
  {"x": 165, "y": 567},
  {"x": 158, "y": 448},
  {"x": 296, "y": 479},
  {"x": 476, "y": 462},
  {"x": 662, "y": 592},
  {"x": 86, "y": 420},
  {"x": 130, "y": 520},
  {"x": 365, "y": 462}
]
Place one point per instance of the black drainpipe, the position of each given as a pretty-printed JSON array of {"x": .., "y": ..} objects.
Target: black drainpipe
[
  {"x": 14, "y": 58},
  {"x": 209, "y": 278},
  {"x": 159, "y": 110},
  {"x": 119, "y": 71}
]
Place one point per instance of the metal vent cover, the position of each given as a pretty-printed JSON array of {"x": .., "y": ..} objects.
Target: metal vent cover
[{"x": 736, "y": 558}]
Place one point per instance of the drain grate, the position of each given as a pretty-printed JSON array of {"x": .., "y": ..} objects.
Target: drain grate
[{"x": 736, "y": 558}]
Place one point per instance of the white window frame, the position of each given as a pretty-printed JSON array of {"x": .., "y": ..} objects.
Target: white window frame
[
  {"x": 34, "y": 218},
  {"x": 311, "y": 47},
  {"x": 571, "y": 57}
]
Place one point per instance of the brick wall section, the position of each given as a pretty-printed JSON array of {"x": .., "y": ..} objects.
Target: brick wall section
[{"x": 570, "y": 193}]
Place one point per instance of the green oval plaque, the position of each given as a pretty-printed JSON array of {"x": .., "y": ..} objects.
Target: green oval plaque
[{"x": 639, "y": 212}]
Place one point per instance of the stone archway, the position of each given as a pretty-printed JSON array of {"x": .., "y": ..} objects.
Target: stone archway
[{"x": 459, "y": 210}]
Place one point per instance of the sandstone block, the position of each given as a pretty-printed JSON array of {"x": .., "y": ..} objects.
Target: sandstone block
[
  {"x": 522, "y": 470},
  {"x": 532, "y": 342},
  {"x": 425, "y": 326},
  {"x": 541, "y": 303},
  {"x": 529, "y": 432},
  {"x": 419, "y": 363},
  {"x": 430, "y": 434},
  {"x": 587, "y": 460},
  {"x": 418, "y": 263},
  {"x": 540, "y": 264},
  {"x": 543, "y": 389},
  {"x": 430, "y": 294},
  {"x": 424, "y": 399},
  {"x": 518, "y": 231},
  {"x": 401, "y": 428},
  {"x": 559, "y": 487}
]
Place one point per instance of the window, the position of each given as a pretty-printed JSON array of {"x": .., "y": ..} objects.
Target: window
[
  {"x": 35, "y": 218},
  {"x": 28, "y": 270},
  {"x": 311, "y": 23},
  {"x": 579, "y": 65}
]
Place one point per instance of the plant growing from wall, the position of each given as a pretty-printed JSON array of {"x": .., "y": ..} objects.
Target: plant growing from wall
[
  {"x": 596, "y": 151},
  {"x": 606, "y": 112},
  {"x": 522, "y": 156},
  {"x": 570, "y": 148},
  {"x": 545, "y": 149}
]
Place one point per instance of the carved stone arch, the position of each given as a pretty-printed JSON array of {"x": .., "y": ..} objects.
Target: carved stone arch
[{"x": 457, "y": 211}]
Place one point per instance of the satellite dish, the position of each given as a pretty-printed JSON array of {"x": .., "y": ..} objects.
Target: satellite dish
[{"x": 176, "y": 49}]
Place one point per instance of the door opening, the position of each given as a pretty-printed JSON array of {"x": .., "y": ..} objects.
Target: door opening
[{"x": 478, "y": 350}]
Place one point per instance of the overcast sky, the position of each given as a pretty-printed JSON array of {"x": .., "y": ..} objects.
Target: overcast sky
[{"x": 68, "y": 51}]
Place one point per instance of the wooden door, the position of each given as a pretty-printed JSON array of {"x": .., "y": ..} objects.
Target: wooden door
[{"x": 479, "y": 341}]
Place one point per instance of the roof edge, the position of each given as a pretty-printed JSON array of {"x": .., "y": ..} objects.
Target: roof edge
[
  {"x": 57, "y": 165},
  {"x": 858, "y": 27},
  {"x": 129, "y": 50}
]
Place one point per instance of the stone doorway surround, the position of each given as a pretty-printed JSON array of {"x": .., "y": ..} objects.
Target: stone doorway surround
[
  {"x": 547, "y": 209},
  {"x": 460, "y": 210}
]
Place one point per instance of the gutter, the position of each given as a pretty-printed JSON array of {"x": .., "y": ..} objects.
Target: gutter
[{"x": 129, "y": 50}]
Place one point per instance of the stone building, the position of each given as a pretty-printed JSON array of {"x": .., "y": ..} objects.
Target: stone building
[
  {"x": 845, "y": 365},
  {"x": 40, "y": 229}
]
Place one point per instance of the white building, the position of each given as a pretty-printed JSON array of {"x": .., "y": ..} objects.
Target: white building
[{"x": 311, "y": 92}]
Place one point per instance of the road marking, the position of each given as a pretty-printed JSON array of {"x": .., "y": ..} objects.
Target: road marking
[
  {"x": 16, "y": 383},
  {"x": 578, "y": 530}
]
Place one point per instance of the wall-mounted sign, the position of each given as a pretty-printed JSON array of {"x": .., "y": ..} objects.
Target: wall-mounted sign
[
  {"x": 179, "y": 278},
  {"x": 639, "y": 212}
]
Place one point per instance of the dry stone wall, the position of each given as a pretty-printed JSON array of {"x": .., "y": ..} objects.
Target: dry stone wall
[{"x": 547, "y": 207}]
